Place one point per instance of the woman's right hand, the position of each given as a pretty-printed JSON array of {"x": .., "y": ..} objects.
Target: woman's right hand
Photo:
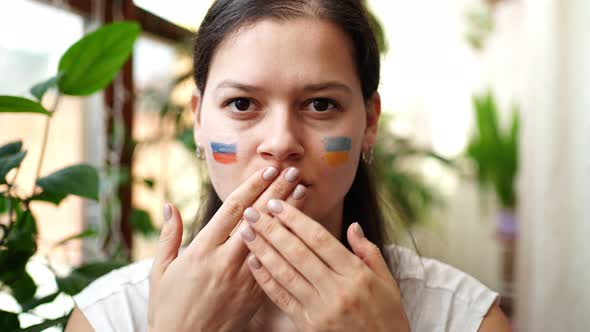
[{"x": 209, "y": 287}]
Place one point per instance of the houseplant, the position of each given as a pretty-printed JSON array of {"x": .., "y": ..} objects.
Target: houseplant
[{"x": 88, "y": 66}]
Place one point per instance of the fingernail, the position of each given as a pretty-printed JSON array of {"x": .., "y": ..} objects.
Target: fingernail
[
  {"x": 270, "y": 173},
  {"x": 299, "y": 191},
  {"x": 251, "y": 215},
  {"x": 247, "y": 233},
  {"x": 358, "y": 229},
  {"x": 167, "y": 212},
  {"x": 254, "y": 262},
  {"x": 292, "y": 174},
  {"x": 274, "y": 206}
]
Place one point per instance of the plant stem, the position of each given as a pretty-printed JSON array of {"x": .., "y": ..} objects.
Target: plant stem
[
  {"x": 44, "y": 143},
  {"x": 8, "y": 195}
]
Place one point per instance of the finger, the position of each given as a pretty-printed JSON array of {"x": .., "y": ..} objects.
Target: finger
[
  {"x": 297, "y": 197},
  {"x": 284, "y": 187},
  {"x": 367, "y": 251},
  {"x": 225, "y": 219},
  {"x": 275, "y": 292},
  {"x": 168, "y": 244},
  {"x": 314, "y": 235},
  {"x": 289, "y": 246},
  {"x": 281, "y": 189},
  {"x": 280, "y": 270}
]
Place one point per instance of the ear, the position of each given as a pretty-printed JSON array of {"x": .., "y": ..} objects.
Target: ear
[
  {"x": 373, "y": 107},
  {"x": 196, "y": 109}
]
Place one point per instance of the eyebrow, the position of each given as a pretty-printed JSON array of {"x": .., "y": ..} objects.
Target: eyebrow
[{"x": 309, "y": 87}]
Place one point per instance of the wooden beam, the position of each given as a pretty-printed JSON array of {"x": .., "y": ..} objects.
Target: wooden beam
[
  {"x": 150, "y": 23},
  {"x": 127, "y": 10}
]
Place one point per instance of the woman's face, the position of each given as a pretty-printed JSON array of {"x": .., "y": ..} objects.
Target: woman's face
[{"x": 287, "y": 94}]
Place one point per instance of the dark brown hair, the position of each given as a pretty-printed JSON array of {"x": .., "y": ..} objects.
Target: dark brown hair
[{"x": 226, "y": 17}]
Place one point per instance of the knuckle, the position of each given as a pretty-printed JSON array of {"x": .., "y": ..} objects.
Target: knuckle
[
  {"x": 364, "y": 281},
  {"x": 288, "y": 277},
  {"x": 299, "y": 254},
  {"x": 320, "y": 239},
  {"x": 283, "y": 299},
  {"x": 267, "y": 228},
  {"x": 347, "y": 303},
  {"x": 374, "y": 249},
  {"x": 233, "y": 209},
  {"x": 254, "y": 187},
  {"x": 265, "y": 279}
]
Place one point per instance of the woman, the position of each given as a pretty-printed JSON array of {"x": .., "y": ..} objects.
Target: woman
[{"x": 286, "y": 107}]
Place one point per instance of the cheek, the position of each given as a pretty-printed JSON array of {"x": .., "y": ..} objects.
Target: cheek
[
  {"x": 339, "y": 157},
  {"x": 224, "y": 157}
]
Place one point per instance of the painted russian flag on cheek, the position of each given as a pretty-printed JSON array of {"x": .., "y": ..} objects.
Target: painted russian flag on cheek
[
  {"x": 224, "y": 153},
  {"x": 337, "y": 149}
]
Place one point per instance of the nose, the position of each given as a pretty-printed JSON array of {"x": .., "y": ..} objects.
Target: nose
[{"x": 282, "y": 137}]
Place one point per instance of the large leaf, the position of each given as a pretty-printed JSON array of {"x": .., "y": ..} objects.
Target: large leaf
[
  {"x": 7, "y": 163},
  {"x": 142, "y": 223},
  {"x": 81, "y": 235},
  {"x": 39, "y": 89},
  {"x": 9, "y": 321},
  {"x": 93, "y": 62},
  {"x": 80, "y": 180},
  {"x": 51, "y": 197},
  {"x": 10, "y": 148},
  {"x": 24, "y": 288},
  {"x": 82, "y": 276},
  {"x": 12, "y": 104}
]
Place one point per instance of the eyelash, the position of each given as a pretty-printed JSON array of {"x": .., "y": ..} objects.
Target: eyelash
[{"x": 335, "y": 105}]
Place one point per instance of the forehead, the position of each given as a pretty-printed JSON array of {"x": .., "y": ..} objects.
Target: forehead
[{"x": 296, "y": 51}]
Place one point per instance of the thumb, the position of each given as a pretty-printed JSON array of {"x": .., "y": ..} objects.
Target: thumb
[
  {"x": 367, "y": 251},
  {"x": 169, "y": 242}
]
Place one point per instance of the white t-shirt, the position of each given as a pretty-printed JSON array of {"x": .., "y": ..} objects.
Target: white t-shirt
[{"x": 436, "y": 296}]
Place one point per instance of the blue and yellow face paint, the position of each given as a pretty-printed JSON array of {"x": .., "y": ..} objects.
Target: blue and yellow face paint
[
  {"x": 224, "y": 153},
  {"x": 337, "y": 149}
]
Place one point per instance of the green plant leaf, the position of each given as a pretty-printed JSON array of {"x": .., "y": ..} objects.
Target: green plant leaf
[
  {"x": 186, "y": 137},
  {"x": 39, "y": 89},
  {"x": 21, "y": 244},
  {"x": 142, "y": 223},
  {"x": 3, "y": 204},
  {"x": 80, "y": 180},
  {"x": 51, "y": 197},
  {"x": 35, "y": 302},
  {"x": 149, "y": 183},
  {"x": 44, "y": 325},
  {"x": 93, "y": 62},
  {"x": 81, "y": 235},
  {"x": 9, "y": 321},
  {"x": 12, "y": 104},
  {"x": 82, "y": 276},
  {"x": 7, "y": 163},
  {"x": 11, "y": 148},
  {"x": 24, "y": 288}
]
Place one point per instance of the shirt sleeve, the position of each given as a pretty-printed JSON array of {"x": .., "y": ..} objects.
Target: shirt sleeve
[{"x": 118, "y": 300}]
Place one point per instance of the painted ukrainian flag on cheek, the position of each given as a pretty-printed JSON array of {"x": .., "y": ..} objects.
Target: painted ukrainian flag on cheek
[
  {"x": 337, "y": 150},
  {"x": 224, "y": 153}
]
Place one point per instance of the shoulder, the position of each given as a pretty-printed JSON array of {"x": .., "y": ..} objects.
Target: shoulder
[
  {"x": 119, "y": 299},
  {"x": 437, "y": 296}
]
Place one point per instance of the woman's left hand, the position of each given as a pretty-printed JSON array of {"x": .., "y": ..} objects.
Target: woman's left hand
[{"x": 315, "y": 280}]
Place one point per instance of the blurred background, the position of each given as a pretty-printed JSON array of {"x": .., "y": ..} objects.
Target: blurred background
[{"x": 484, "y": 146}]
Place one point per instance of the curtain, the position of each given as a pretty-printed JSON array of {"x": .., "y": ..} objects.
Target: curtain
[{"x": 553, "y": 263}]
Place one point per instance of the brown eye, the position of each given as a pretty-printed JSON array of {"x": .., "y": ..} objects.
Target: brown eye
[
  {"x": 322, "y": 105},
  {"x": 242, "y": 104}
]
